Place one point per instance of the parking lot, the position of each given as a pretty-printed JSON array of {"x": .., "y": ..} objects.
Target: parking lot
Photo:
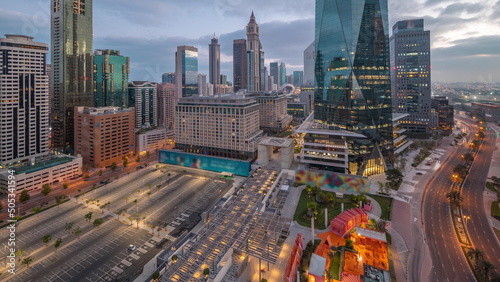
[{"x": 101, "y": 253}]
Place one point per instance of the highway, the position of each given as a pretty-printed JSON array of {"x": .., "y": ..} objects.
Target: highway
[
  {"x": 448, "y": 261},
  {"x": 478, "y": 226}
]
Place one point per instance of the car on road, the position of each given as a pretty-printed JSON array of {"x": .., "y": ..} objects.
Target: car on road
[
  {"x": 131, "y": 248},
  {"x": 419, "y": 173},
  {"x": 141, "y": 166}
]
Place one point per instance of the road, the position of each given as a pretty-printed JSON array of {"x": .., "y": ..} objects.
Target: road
[
  {"x": 480, "y": 231},
  {"x": 448, "y": 260}
]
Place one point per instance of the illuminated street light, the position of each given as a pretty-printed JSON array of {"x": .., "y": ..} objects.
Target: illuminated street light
[{"x": 466, "y": 217}]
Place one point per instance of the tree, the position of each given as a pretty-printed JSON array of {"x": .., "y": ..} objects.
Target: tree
[
  {"x": 174, "y": 258},
  {"x": 100, "y": 172},
  {"x": 60, "y": 199},
  {"x": 481, "y": 134},
  {"x": 475, "y": 254},
  {"x": 120, "y": 212},
  {"x": 206, "y": 272},
  {"x": 156, "y": 275},
  {"x": 147, "y": 154},
  {"x": 46, "y": 239},
  {"x": 349, "y": 244},
  {"x": 131, "y": 218},
  {"x": 46, "y": 189},
  {"x": 68, "y": 226},
  {"x": 380, "y": 225},
  {"x": 57, "y": 243},
  {"x": 468, "y": 158},
  {"x": 24, "y": 196},
  {"x": 88, "y": 217},
  {"x": 125, "y": 161},
  {"x": 97, "y": 222},
  {"x": 454, "y": 198},
  {"x": 137, "y": 219},
  {"x": 36, "y": 210},
  {"x": 114, "y": 166},
  {"x": 484, "y": 267},
  {"x": 137, "y": 158},
  {"x": 20, "y": 254},
  {"x": 460, "y": 170},
  {"x": 77, "y": 231},
  {"x": 27, "y": 261},
  {"x": 496, "y": 180},
  {"x": 311, "y": 208}
]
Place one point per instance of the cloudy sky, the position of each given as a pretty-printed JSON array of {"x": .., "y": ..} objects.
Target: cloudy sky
[{"x": 465, "y": 35}]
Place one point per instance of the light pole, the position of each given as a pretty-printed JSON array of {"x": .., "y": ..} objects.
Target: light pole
[{"x": 466, "y": 217}]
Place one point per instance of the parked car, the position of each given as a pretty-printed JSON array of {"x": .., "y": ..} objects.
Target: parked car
[{"x": 131, "y": 248}]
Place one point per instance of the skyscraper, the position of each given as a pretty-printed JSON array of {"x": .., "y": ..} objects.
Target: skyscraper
[
  {"x": 240, "y": 64},
  {"x": 255, "y": 53},
  {"x": 166, "y": 104},
  {"x": 24, "y": 125},
  {"x": 309, "y": 60},
  {"x": 298, "y": 78},
  {"x": 214, "y": 62},
  {"x": 282, "y": 74},
  {"x": 143, "y": 97},
  {"x": 274, "y": 72},
  {"x": 411, "y": 76},
  {"x": 72, "y": 66},
  {"x": 202, "y": 84},
  {"x": 168, "y": 77},
  {"x": 186, "y": 71},
  {"x": 111, "y": 72},
  {"x": 352, "y": 90}
]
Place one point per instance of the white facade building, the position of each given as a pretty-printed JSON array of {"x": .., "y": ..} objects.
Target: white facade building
[
  {"x": 49, "y": 169},
  {"x": 24, "y": 105}
]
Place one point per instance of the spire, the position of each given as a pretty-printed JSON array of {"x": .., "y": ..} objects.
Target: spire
[
  {"x": 215, "y": 36},
  {"x": 252, "y": 19}
]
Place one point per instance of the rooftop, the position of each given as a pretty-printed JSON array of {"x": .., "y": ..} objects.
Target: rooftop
[
  {"x": 310, "y": 125},
  {"x": 55, "y": 161}
]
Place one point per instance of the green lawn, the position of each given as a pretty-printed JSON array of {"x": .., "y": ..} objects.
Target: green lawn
[
  {"x": 490, "y": 186},
  {"x": 495, "y": 211},
  {"x": 386, "y": 205},
  {"x": 333, "y": 269},
  {"x": 284, "y": 134},
  {"x": 300, "y": 212}
]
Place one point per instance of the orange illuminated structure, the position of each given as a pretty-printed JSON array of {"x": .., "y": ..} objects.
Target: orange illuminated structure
[
  {"x": 345, "y": 221},
  {"x": 294, "y": 259}
]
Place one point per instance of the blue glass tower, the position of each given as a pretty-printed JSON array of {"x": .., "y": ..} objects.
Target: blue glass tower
[
  {"x": 352, "y": 79},
  {"x": 186, "y": 71},
  {"x": 111, "y": 72}
]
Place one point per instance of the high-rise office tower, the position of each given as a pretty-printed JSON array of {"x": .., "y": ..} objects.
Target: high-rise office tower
[
  {"x": 111, "y": 72},
  {"x": 166, "y": 104},
  {"x": 186, "y": 71},
  {"x": 168, "y": 77},
  {"x": 48, "y": 70},
  {"x": 24, "y": 122},
  {"x": 282, "y": 74},
  {"x": 275, "y": 72},
  {"x": 143, "y": 97},
  {"x": 254, "y": 51},
  {"x": 309, "y": 60},
  {"x": 240, "y": 64},
  {"x": 223, "y": 79},
  {"x": 72, "y": 66},
  {"x": 298, "y": 78},
  {"x": 202, "y": 84},
  {"x": 411, "y": 76},
  {"x": 214, "y": 62},
  {"x": 352, "y": 90}
]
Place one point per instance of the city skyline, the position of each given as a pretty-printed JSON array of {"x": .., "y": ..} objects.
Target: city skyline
[{"x": 451, "y": 24}]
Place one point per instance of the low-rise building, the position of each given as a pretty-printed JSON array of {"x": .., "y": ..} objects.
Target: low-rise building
[
  {"x": 104, "y": 136},
  {"x": 445, "y": 113},
  {"x": 48, "y": 169},
  {"x": 154, "y": 139},
  {"x": 273, "y": 110}
]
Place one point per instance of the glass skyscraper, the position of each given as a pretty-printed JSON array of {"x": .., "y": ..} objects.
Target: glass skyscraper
[
  {"x": 186, "y": 71},
  {"x": 72, "y": 66},
  {"x": 111, "y": 79},
  {"x": 352, "y": 80}
]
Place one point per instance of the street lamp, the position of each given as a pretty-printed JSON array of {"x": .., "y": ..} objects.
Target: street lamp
[{"x": 466, "y": 217}]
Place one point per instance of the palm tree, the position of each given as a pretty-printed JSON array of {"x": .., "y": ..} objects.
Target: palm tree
[
  {"x": 475, "y": 254},
  {"x": 57, "y": 243},
  {"x": 380, "y": 225},
  {"x": 77, "y": 231},
  {"x": 46, "y": 239},
  {"x": 69, "y": 226},
  {"x": 485, "y": 267},
  {"x": 36, "y": 210},
  {"x": 468, "y": 158},
  {"x": 455, "y": 198},
  {"x": 20, "y": 254},
  {"x": 311, "y": 208},
  {"x": 88, "y": 217},
  {"x": 461, "y": 170},
  {"x": 27, "y": 261}
]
